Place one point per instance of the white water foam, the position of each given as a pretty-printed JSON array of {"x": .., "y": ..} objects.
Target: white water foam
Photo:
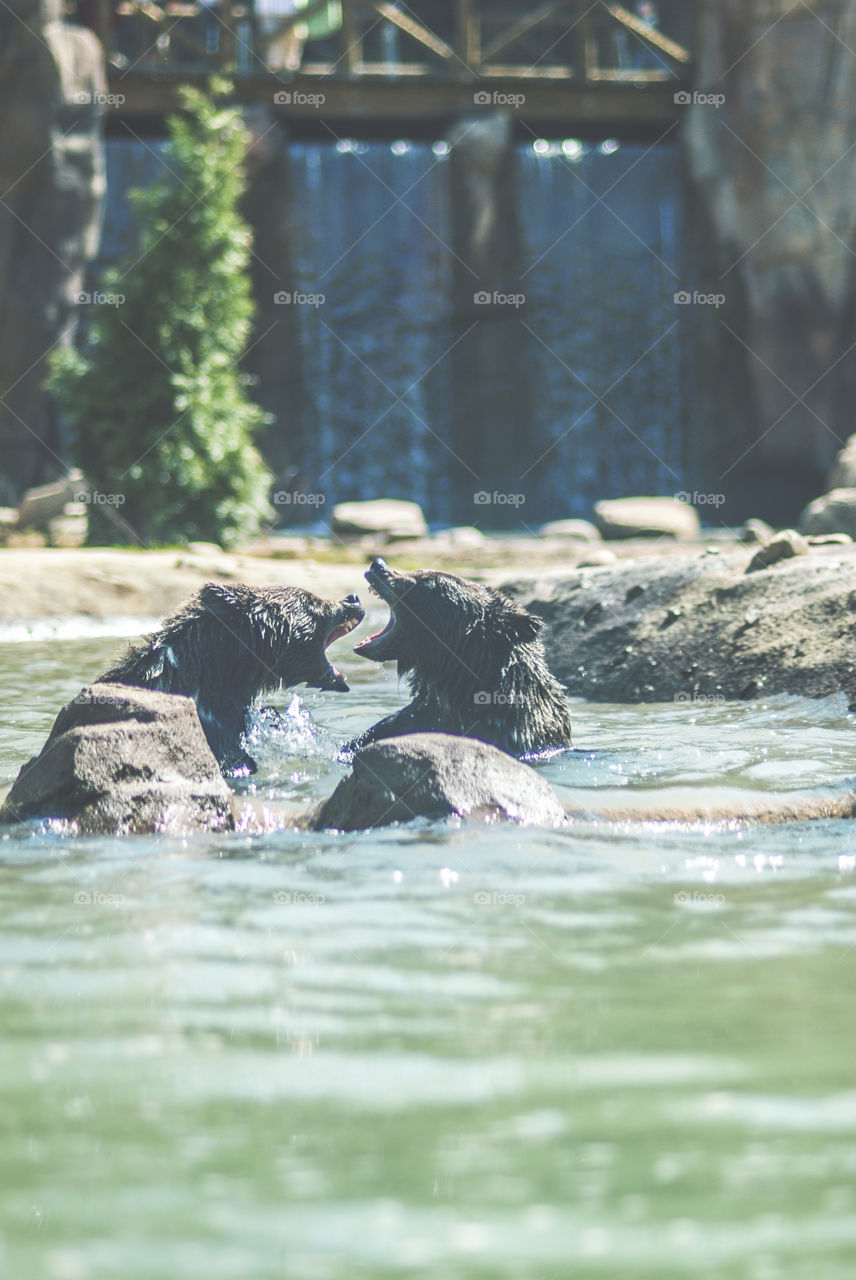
[{"x": 34, "y": 630}]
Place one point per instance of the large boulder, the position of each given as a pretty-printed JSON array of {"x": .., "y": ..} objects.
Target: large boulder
[
  {"x": 121, "y": 760},
  {"x": 833, "y": 512},
  {"x": 436, "y": 775},
  {"x": 52, "y": 97},
  {"x": 646, "y": 518},
  {"x": 698, "y": 627},
  {"x": 387, "y": 517}
]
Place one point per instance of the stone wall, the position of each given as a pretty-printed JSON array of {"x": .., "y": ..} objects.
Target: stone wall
[
  {"x": 771, "y": 169},
  {"x": 51, "y": 185}
]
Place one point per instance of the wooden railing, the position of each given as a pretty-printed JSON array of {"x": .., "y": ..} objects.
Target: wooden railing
[{"x": 574, "y": 40}]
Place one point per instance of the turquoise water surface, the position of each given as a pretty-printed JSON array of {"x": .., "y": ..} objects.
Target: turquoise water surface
[{"x": 439, "y": 1050}]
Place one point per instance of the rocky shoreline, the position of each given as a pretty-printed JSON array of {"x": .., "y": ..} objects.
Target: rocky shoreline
[{"x": 702, "y": 626}]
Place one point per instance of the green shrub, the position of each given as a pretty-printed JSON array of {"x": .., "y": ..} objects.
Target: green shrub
[{"x": 156, "y": 405}]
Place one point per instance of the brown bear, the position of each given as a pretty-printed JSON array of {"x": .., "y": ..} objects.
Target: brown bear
[
  {"x": 227, "y": 644},
  {"x": 475, "y": 664}
]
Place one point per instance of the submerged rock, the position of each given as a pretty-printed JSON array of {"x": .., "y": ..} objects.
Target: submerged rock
[
  {"x": 701, "y": 627},
  {"x": 647, "y": 518},
  {"x": 122, "y": 760},
  {"x": 436, "y": 775}
]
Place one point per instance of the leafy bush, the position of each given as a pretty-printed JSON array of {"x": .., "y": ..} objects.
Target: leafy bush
[{"x": 155, "y": 401}]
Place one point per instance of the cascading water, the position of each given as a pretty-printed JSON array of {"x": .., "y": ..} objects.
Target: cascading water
[
  {"x": 604, "y": 338},
  {"x": 603, "y": 349},
  {"x": 373, "y": 225}
]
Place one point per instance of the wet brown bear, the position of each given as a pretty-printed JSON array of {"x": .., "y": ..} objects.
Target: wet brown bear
[
  {"x": 227, "y": 644},
  {"x": 475, "y": 663}
]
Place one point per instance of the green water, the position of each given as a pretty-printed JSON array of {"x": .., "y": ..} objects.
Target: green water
[{"x": 437, "y": 1051}]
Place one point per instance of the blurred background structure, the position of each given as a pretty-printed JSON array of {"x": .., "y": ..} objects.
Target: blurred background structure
[{"x": 568, "y": 250}]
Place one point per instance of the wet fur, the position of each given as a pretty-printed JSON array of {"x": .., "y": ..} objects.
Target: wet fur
[
  {"x": 224, "y": 647},
  {"x": 475, "y": 664}
]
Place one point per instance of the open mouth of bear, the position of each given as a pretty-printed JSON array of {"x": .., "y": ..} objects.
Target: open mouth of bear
[
  {"x": 379, "y": 586},
  {"x": 350, "y": 616}
]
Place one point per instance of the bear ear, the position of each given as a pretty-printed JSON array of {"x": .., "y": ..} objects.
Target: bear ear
[{"x": 522, "y": 627}]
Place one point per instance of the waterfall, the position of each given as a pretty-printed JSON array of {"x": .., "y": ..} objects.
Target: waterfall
[{"x": 602, "y": 346}]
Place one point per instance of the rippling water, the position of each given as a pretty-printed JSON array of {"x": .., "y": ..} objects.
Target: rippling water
[{"x": 438, "y": 1050}]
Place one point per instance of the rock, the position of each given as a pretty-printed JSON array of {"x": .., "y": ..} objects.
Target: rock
[
  {"x": 580, "y": 530},
  {"x": 461, "y": 536},
  {"x": 384, "y": 516},
  {"x": 646, "y": 518},
  {"x": 436, "y": 775},
  {"x": 701, "y": 628},
  {"x": 52, "y": 94},
  {"x": 782, "y": 546},
  {"x": 783, "y": 318},
  {"x": 71, "y": 528},
  {"x": 46, "y": 502},
  {"x": 596, "y": 556},
  {"x": 843, "y": 473},
  {"x": 830, "y": 540},
  {"x": 205, "y": 548},
  {"x": 756, "y": 531},
  {"x": 833, "y": 512},
  {"x": 121, "y": 760},
  {"x": 8, "y": 522}
]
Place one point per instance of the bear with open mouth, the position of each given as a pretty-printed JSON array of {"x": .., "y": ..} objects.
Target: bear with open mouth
[
  {"x": 229, "y": 643},
  {"x": 475, "y": 663}
]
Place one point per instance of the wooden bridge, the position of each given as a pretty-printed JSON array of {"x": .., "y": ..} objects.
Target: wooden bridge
[{"x": 383, "y": 66}]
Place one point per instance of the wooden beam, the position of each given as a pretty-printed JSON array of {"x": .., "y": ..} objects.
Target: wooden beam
[
  {"x": 350, "y": 39},
  {"x": 467, "y": 34},
  {"x": 623, "y": 75},
  {"x": 423, "y": 101},
  {"x": 521, "y": 27},
  {"x": 508, "y": 71},
  {"x": 581, "y": 42},
  {"x": 648, "y": 33},
  {"x": 412, "y": 28},
  {"x": 103, "y": 18}
]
